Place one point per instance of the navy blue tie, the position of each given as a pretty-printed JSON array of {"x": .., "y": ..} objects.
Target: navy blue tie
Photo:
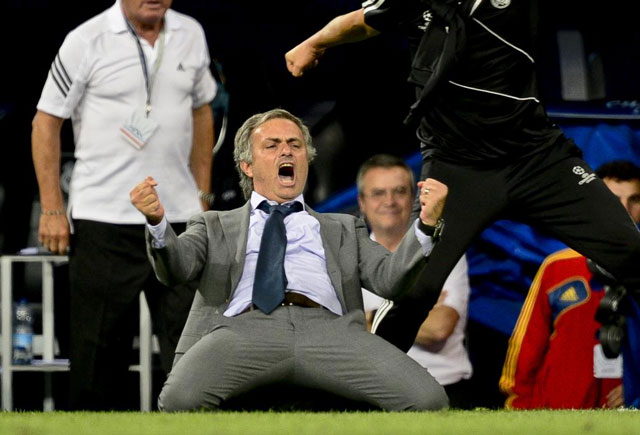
[{"x": 270, "y": 280}]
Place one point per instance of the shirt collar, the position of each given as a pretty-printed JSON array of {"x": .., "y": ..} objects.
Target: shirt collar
[
  {"x": 256, "y": 199},
  {"x": 118, "y": 24}
]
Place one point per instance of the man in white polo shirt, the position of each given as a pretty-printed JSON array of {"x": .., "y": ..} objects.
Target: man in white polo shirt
[{"x": 136, "y": 83}]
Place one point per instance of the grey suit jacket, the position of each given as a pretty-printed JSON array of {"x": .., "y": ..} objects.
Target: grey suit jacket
[{"x": 213, "y": 248}]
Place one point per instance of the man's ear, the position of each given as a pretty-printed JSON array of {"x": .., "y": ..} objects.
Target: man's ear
[
  {"x": 361, "y": 204},
  {"x": 362, "y": 210},
  {"x": 246, "y": 168}
]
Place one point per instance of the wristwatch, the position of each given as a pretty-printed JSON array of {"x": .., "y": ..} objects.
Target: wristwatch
[{"x": 435, "y": 231}]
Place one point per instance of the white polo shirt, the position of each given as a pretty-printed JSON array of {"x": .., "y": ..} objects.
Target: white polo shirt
[{"x": 96, "y": 80}]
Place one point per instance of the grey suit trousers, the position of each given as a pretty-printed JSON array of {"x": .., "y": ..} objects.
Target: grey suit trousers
[{"x": 310, "y": 347}]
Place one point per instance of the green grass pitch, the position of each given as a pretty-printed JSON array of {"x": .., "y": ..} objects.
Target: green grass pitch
[{"x": 609, "y": 422}]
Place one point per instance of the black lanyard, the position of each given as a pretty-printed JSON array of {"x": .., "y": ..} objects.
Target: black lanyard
[{"x": 148, "y": 81}]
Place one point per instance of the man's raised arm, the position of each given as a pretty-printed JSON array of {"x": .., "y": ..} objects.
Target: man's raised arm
[{"x": 341, "y": 30}]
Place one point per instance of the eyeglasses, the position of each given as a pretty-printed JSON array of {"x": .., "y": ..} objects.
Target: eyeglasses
[{"x": 380, "y": 194}]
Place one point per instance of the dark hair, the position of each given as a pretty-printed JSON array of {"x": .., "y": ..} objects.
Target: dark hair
[
  {"x": 621, "y": 170},
  {"x": 383, "y": 161}
]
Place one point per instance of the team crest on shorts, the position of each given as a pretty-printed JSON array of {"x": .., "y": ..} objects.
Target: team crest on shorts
[{"x": 500, "y": 4}]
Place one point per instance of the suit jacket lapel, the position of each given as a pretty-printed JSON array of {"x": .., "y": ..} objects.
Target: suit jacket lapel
[
  {"x": 331, "y": 233},
  {"x": 235, "y": 227}
]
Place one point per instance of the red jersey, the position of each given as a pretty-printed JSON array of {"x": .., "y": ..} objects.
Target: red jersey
[{"x": 549, "y": 361}]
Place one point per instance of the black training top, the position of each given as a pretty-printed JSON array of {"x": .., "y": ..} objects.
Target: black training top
[{"x": 487, "y": 107}]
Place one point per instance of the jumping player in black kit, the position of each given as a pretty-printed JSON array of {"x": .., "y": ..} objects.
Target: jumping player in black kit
[{"x": 485, "y": 134}]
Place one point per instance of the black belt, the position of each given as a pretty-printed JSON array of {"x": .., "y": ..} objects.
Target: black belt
[{"x": 290, "y": 299}]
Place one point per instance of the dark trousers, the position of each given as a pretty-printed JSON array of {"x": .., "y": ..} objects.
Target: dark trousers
[
  {"x": 108, "y": 268},
  {"x": 551, "y": 190},
  {"x": 461, "y": 394}
]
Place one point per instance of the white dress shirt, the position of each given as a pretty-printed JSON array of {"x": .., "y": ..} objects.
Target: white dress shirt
[{"x": 305, "y": 263}]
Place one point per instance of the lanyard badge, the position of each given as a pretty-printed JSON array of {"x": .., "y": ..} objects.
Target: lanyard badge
[{"x": 139, "y": 127}]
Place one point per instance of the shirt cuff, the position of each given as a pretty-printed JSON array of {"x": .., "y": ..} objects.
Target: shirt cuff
[
  {"x": 425, "y": 241},
  {"x": 157, "y": 233}
]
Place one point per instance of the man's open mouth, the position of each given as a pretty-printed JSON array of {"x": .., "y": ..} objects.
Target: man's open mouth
[{"x": 286, "y": 172}]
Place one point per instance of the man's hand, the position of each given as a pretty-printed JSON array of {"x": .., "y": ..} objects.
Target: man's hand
[
  {"x": 145, "y": 198},
  {"x": 53, "y": 233},
  {"x": 433, "y": 195},
  {"x": 302, "y": 57}
]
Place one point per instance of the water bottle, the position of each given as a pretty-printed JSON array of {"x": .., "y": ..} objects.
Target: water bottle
[{"x": 23, "y": 334}]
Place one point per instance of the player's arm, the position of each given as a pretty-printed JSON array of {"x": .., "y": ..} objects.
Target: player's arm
[{"x": 341, "y": 30}]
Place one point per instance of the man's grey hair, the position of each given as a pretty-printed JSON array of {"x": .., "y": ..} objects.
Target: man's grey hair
[
  {"x": 243, "y": 147},
  {"x": 386, "y": 161}
]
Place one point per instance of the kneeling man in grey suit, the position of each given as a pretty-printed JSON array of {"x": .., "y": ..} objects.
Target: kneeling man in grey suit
[{"x": 263, "y": 316}]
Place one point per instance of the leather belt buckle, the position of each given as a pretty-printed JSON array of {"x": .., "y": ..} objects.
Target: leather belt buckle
[
  {"x": 290, "y": 299},
  {"x": 300, "y": 300}
]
